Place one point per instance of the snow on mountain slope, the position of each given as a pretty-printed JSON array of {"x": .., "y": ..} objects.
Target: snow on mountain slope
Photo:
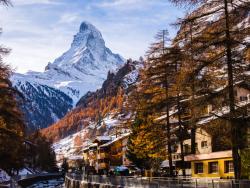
[
  {"x": 82, "y": 68},
  {"x": 78, "y": 127},
  {"x": 43, "y": 105},
  {"x": 68, "y": 147},
  {"x": 95, "y": 106}
]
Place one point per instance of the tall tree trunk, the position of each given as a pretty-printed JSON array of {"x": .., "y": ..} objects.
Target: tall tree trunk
[
  {"x": 193, "y": 115},
  {"x": 233, "y": 122},
  {"x": 169, "y": 140},
  {"x": 181, "y": 135},
  {"x": 167, "y": 111}
]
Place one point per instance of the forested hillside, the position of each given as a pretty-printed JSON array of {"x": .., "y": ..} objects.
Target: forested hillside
[{"x": 95, "y": 106}]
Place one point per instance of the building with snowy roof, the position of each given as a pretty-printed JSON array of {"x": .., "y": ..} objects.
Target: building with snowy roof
[{"x": 106, "y": 153}]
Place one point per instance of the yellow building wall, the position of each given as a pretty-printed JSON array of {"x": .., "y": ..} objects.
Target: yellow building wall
[
  {"x": 86, "y": 158},
  {"x": 221, "y": 169}
]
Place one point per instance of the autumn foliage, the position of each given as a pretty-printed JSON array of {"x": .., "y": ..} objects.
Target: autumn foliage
[{"x": 93, "y": 106}]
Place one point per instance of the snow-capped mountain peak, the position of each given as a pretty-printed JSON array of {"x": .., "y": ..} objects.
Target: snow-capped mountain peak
[
  {"x": 87, "y": 34},
  {"x": 88, "y": 50},
  {"x": 80, "y": 69}
]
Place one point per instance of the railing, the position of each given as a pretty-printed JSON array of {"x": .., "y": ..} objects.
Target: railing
[{"x": 157, "y": 182}]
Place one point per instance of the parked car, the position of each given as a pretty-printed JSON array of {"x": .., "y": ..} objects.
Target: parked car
[{"x": 121, "y": 171}]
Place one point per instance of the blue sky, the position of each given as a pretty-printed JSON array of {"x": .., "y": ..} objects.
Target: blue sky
[{"x": 38, "y": 31}]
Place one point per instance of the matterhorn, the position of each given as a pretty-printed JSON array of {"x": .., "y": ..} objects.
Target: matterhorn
[{"x": 55, "y": 91}]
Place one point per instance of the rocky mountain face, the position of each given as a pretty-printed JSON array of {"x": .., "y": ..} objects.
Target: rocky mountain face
[
  {"x": 125, "y": 77},
  {"x": 81, "y": 69}
]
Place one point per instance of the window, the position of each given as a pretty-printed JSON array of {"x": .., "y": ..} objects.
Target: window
[
  {"x": 229, "y": 167},
  {"x": 204, "y": 144},
  {"x": 175, "y": 157},
  {"x": 174, "y": 148},
  {"x": 243, "y": 98},
  {"x": 209, "y": 108},
  {"x": 213, "y": 167},
  {"x": 103, "y": 160},
  {"x": 186, "y": 149},
  {"x": 198, "y": 168}
]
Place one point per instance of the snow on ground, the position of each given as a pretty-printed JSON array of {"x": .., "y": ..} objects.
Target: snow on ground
[
  {"x": 25, "y": 171},
  {"x": 65, "y": 148},
  {"x": 4, "y": 176},
  {"x": 110, "y": 121},
  {"x": 131, "y": 78},
  {"x": 55, "y": 183}
]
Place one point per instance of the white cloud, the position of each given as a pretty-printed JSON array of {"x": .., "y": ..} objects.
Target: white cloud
[
  {"x": 33, "y": 42},
  {"x": 32, "y": 2},
  {"x": 124, "y": 4},
  {"x": 120, "y": 3},
  {"x": 35, "y": 52},
  {"x": 38, "y": 34},
  {"x": 68, "y": 18}
]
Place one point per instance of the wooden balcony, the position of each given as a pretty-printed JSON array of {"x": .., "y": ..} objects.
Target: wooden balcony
[
  {"x": 186, "y": 115},
  {"x": 103, "y": 156},
  {"x": 102, "y": 165}
]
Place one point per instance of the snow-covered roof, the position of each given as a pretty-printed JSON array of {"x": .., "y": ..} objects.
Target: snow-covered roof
[
  {"x": 93, "y": 145},
  {"x": 103, "y": 138},
  {"x": 247, "y": 73},
  {"x": 85, "y": 148},
  {"x": 115, "y": 140},
  {"x": 166, "y": 163},
  {"x": 4, "y": 176},
  {"x": 75, "y": 157},
  {"x": 213, "y": 155},
  {"x": 171, "y": 112},
  {"x": 244, "y": 84},
  {"x": 29, "y": 142},
  {"x": 217, "y": 90},
  {"x": 224, "y": 111},
  {"x": 25, "y": 171}
]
